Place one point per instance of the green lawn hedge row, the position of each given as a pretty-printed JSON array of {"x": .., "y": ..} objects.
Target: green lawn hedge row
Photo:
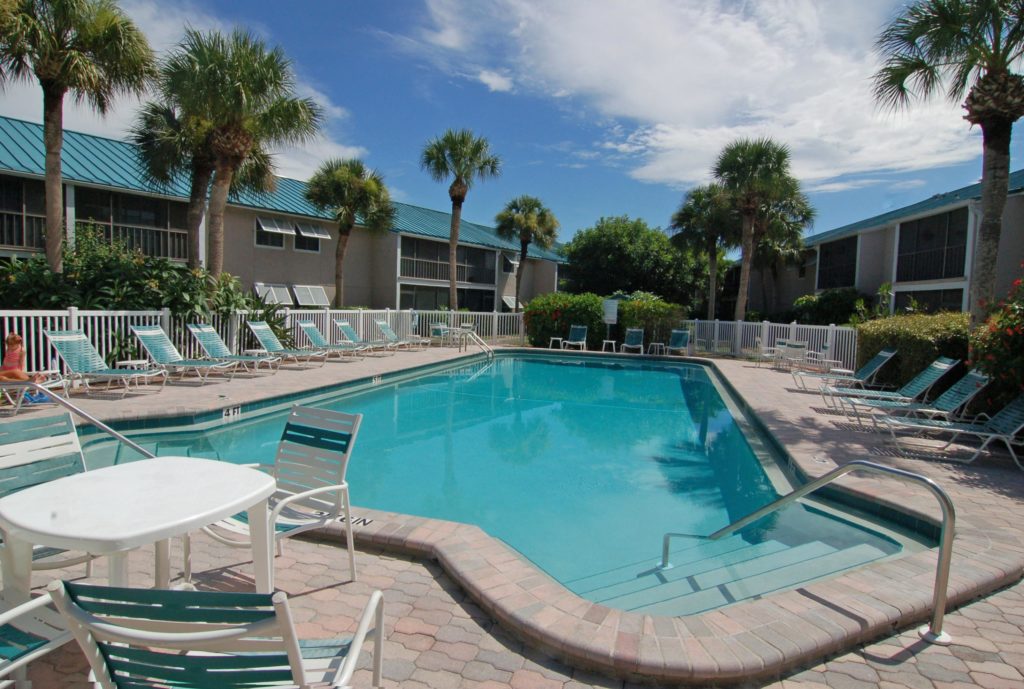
[{"x": 918, "y": 338}]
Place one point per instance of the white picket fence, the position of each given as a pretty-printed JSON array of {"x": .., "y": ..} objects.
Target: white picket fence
[
  {"x": 745, "y": 339},
  {"x": 109, "y": 330}
]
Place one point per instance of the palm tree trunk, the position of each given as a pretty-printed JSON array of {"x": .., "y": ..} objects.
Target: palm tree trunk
[
  {"x": 524, "y": 244},
  {"x": 995, "y": 182},
  {"x": 747, "y": 260},
  {"x": 53, "y": 137},
  {"x": 712, "y": 276},
  {"x": 453, "y": 245},
  {"x": 215, "y": 231},
  {"x": 339, "y": 264},
  {"x": 196, "y": 209}
]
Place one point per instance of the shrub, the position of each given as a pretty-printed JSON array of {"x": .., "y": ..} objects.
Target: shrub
[
  {"x": 919, "y": 339},
  {"x": 997, "y": 346},
  {"x": 652, "y": 313},
  {"x": 831, "y": 306},
  {"x": 551, "y": 315}
]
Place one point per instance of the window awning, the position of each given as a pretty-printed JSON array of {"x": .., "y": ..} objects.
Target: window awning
[
  {"x": 512, "y": 258},
  {"x": 510, "y": 302},
  {"x": 274, "y": 293},
  {"x": 311, "y": 295},
  {"x": 275, "y": 225},
  {"x": 312, "y": 231}
]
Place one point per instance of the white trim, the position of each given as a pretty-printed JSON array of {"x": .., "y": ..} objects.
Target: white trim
[
  {"x": 973, "y": 225},
  {"x": 444, "y": 283},
  {"x": 310, "y": 231},
  {"x": 928, "y": 285},
  {"x": 856, "y": 263},
  {"x": 69, "y": 213},
  {"x": 202, "y": 240},
  {"x": 817, "y": 265},
  {"x": 257, "y": 245}
]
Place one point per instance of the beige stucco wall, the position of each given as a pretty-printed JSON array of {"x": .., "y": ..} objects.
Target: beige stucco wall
[
  {"x": 543, "y": 279},
  {"x": 874, "y": 264},
  {"x": 1011, "y": 246},
  {"x": 383, "y": 263}
]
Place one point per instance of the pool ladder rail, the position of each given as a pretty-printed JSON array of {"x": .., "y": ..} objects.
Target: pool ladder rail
[
  {"x": 471, "y": 336},
  {"x": 932, "y": 632}
]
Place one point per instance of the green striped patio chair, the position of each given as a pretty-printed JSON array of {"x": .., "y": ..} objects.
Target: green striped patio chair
[
  {"x": 634, "y": 339},
  {"x": 166, "y": 356},
  {"x": 1005, "y": 427},
  {"x": 679, "y": 341},
  {"x": 28, "y": 632},
  {"x": 918, "y": 386},
  {"x": 945, "y": 406},
  {"x": 350, "y": 334},
  {"x": 317, "y": 339},
  {"x": 312, "y": 458},
  {"x": 209, "y": 339},
  {"x": 151, "y": 638},
  {"x": 577, "y": 337},
  {"x": 396, "y": 341},
  {"x": 861, "y": 378},
  {"x": 270, "y": 344},
  {"x": 85, "y": 364}
]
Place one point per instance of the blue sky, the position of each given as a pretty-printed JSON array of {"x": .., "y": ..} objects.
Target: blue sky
[{"x": 597, "y": 107}]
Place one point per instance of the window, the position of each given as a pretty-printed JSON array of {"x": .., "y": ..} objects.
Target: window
[
  {"x": 424, "y": 298},
  {"x": 310, "y": 295},
  {"x": 933, "y": 248},
  {"x": 21, "y": 213},
  {"x": 156, "y": 227},
  {"x": 309, "y": 236},
  {"x": 932, "y": 300},
  {"x": 270, "y": 231},
  {"x": 92, "y": 205},
  {"x": 837, "y": 265},
  {"x": 509, "y": 263},
  {"x": 273, "y": 293}
]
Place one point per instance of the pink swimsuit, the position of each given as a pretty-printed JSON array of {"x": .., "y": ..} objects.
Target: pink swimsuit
[{"x": 12, "y": 360}]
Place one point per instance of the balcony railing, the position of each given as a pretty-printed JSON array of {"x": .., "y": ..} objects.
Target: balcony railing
[
  {"x": 432, "y": 270},
  {"x": 21, "y": 231}
]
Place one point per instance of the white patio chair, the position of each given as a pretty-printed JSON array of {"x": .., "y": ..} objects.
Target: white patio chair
[
  {"x": 27, "y": 632},
  {"x": 150, "y": 638}
]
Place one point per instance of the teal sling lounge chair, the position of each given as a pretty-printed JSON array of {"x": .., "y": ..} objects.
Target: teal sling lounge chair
[
  {"x": 679, "y": 341},
  {"x": 318, "y": 341},
  {"x": 634, "y": 339},
  {"x": 150, "y": 638},
  {"x": 396, "y": 341},
  {"x": 577, "y": 338},
  {"x": 84, "y": 363},
  {"x": 271, "y": 345},
  {"x": 209, "y": 339},
  {"x": 945, "y": 406},
  {"x": 861, "y": 378},
  {"x": 917, "y": 388},
  {"x": 166, "y": 356},
  {"x": 350, "y": 334}
]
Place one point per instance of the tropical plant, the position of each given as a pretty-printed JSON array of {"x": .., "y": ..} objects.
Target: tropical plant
[
  {"x": 756, "y": 174},
  {"x": 780, "y": 229},
  {"x": 465, "y": 158},
  {"x": 244, "y": 92},
  {"x": 89, "y": 48},
  {"x": 347, "y": 189},
  {"x": 964, "y": 47},
  {"x": 527, "y": 219},
  {"x": 707, "y": 223},
  {"x": 830, "y": 307}
]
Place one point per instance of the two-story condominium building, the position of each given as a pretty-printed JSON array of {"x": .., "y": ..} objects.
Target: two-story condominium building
[
  {"x": 925, "y": 250},
  {"x": 276, "y": 243}
]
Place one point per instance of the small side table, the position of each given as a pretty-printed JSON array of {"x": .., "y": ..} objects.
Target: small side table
[
  {"x": 551, "y": 344},
  {"x": 136, "y": 365},
  {"x": 605, "y": 343},
  {"x": 656, "y": 348}
]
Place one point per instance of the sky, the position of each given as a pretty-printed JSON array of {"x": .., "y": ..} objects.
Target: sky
[{"x": 598, "y": 107}]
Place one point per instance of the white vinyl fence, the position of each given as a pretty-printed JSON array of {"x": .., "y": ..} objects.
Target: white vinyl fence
[
  {"x": 109, "y": 330},
  {"x": 746, "y": 339}
]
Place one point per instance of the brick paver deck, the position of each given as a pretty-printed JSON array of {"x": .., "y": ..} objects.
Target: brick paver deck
[{"x": 439, "y": 637}]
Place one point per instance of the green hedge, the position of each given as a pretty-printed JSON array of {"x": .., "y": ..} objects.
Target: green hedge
[
  {"x": 918, "y": 338},
  {"x": 650, "y": 312},
  {"x": 551, "y": 315}
]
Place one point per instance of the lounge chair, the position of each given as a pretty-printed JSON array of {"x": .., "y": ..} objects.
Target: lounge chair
[
  {"x": 679, "y": 341},
  {"x": 398, "y": 342},
  {"x": 441, "y": 334},
  {"x": 1004, "y": 427},
  {"x": 84, "y": 363},
  {"x": 312, "y": 458},
  {"x": 820, "y": 360},
  {"x": 209, "y": 339},
  {"x": 917, "y": 388},
  {"x": 147, "y": 638},
  {"x": 350, "y": 334},
  {"x": 166, "y": 356},
  {"x": 793, "y": 355},
  {"x": 577, "y": 337},
  {"x": 15, "y": 393},
  {"x": 863, "y": 377},
  {"x": 270, "y": 344},
  {"x": 28, "y": 632},
  {"x": 945, "y": 406},
  {"x": 634, "y": 339},
  {"x": 318, "y": 341},
  {"x": 768, "y": 354}
]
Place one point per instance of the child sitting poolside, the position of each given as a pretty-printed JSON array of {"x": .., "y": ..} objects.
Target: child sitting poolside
[{"x": 13, "y": 367}]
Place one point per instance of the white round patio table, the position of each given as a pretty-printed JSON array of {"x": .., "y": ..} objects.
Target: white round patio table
[{"x": 113, "y": 510}]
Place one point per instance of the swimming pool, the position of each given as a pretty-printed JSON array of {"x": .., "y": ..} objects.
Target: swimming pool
[{"x": 581, "y": 464}]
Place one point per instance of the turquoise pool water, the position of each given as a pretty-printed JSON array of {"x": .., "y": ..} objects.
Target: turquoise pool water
[{"x": 581, "y": 465}]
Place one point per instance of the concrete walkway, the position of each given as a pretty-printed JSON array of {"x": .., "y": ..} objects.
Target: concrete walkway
[{"x": 439, "y": 638}]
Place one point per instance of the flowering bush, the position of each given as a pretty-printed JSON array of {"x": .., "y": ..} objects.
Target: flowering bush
[
  {"x": 551, "y": 315},
  {"x": 997, "y": 346}
]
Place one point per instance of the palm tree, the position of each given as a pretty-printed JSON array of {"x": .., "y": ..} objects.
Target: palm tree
[
  {"x": 755, "y": 172},
  {"x": 87, "y": 47},
  {"x": 465, "y": 158},
  {"x": 780, "y": 238},
  {"x": 246, "y": 94},
  {"x": 965, "y": 47},
  {"x": 347, "y": 188},
  {"x": 527, "y": 219},
  {"x": 707, "y": 222}
]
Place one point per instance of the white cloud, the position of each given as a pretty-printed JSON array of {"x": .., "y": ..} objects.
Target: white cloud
[
  {"x": 164, "y": 24},
  {"x": 494, "y": 81},
  {"x": 674, "y": 81}
]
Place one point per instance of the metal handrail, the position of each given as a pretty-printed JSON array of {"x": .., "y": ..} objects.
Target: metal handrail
[
  {"x": 931, "y": 633},
  {"x": 75, "y": 409},
  {"x": 479, "y": 341}
]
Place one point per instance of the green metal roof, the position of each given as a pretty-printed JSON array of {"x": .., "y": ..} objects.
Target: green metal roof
[
  {"x": 935, "y": 203},
  {"x": 100, "y": 161}
]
